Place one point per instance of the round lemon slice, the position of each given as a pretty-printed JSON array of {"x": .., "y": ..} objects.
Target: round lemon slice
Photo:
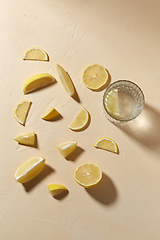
[
  {"x": 95, "y": 76},
  {"x": 88, "y": 175},
  {"x": 66, "y": 80},
  {"x": 66, "y": 148},
  {"x": 56, "y": 189},
  {"x": 27, "y": 138},
  {"x": 36, "y": 54},
  {"x": 112, "y": 103},
  {"x": 50, "y": 113},
  {"x": 37, "y": 81},
  {"x": 29, "y": 169},
  {"x": 21, "y": 111},
  {"x": 80, "y": 120},
  {"x": 107, "y": 144}
]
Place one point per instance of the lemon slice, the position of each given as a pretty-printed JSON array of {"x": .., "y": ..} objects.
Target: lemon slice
[
  {"x": 66, "y": 80},
  {"x": 106, "y": 144},
  {"x": 88, "y": 175},
  {"x": 37, "y": 81},
  {"x": 80, "y": 120},
  {"x": 35, "y": 53},
  {"x": 111, "y": 102},
  {"x": 29, "y": 169},
  {"x": 95, "y": 76},
  {"x": 66, "y": 148},
  {"x": 50, "y": 113},
  {"x": 27, "y": 138},
  {"x": 56, "y": 189},
  {"x": 21, "y": 111}
]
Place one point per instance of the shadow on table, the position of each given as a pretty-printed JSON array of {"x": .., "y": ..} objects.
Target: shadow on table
[
  {"x": 37, "y": 179},
  {"x": 104, "y": 192},
  {"x": 145, "y": 129},
  {"x": 75, "y": 154}
]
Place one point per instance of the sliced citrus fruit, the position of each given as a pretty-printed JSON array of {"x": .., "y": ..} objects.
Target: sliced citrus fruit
[
  {"x": 37, "y": 81},
  {"x": 27, "y": 138},
  {"x": 80, "y": 120},
  {"x": 88, "y": 175},
  {"x": 95, "y": 76},
  {"x": 50, "y": 113},
  {"x": 21, "y": 111},
  {"x": 66, "y": 148},
  {"x": 106, "y": 144},
  {"x": 66, "y": 80},
  {"x": 35, "y": 53},
  {"x": 111, "y": 102},
  {"x": 29, "y": 169},
  {"x": 56, "y": 189}
]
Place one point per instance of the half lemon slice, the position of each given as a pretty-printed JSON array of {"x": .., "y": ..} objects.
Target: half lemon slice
[
  {"x": 36, "y": 54},
  {"x": 95, "y": 76},
  {"x": 21, "y": 111},
  {"x": 56, "y": 189},
  {"x": 88, "y": 175},
  {"x": 80, "y": 120},
  {"x": 107, "y": 144},
  {"x": 111, "y": 102},
  {"x": 29, "y": 169}
]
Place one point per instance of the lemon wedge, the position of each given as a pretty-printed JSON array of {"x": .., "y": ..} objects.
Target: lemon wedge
[
  {"x": 27, "y": 138},
  {"x": 88, "y": 175},
  {"x": 66, "y": 148},
  {"x": 56, "y": 189},
  {"x": 66, "y": 80},
  {"x": 107, "y": 144},
  {"x": 50, "y": 113},
  {"x": 35, "y": 53},
  {"x": 21, "y": 111},
  {"x": 111, "y": 102},
  {"x": 29, "y": 169},
  {"x": 80, "y": 120},
  {"x": 95, "y": 76},
  {"x": 37, "y": 81}
]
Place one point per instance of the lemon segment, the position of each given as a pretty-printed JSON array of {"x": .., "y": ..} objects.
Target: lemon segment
[
  {"x": 50, "y": 113},
  {"x": 37, "y": 81},
  {"x": 21, "y": 111},
  {"x": 66, "y": 80},
  {"x": 80, "y": 120},
  {"x": 88, "y": 175},
  {"x": 66, "y": 148},
  {"x": 111, "y": 102},
  {"x": 95, "y": 76},
  {"x": 106, "y": 144},
  {"x": 35, "y": 53},
  {"x": 56, "y": 189},
  {"x": 27, "y": 138},
  {"x": 29, "y": 169}
]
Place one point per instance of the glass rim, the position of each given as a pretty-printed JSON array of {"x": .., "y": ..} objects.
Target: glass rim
[{"x": 118, "y": 119}]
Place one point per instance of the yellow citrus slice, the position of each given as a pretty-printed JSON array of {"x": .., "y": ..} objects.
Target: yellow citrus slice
[
  {"x": 106, "y": 144},
  {"x": 66, "y": 148},
  {"x": 35, "y": 53},
  {"x": 27, "y": 138},
  {"x": 37, "y": 81},
  {"x": 66, "y": 80},
  {"x": 21, "y": 111},
  {"x": 95, "y": 76},
  {"x": 111, "y": 102},
  {"x": 56, "y": 189},
  {"x": 88, "y": 175},
  {"x": 29, "y": 169},
  {"x": 50, "y": 113},
  {"x": 80, "y": 120}
]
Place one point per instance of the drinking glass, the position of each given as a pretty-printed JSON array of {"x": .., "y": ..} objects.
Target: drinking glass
[{"x": 123, "y": 101}]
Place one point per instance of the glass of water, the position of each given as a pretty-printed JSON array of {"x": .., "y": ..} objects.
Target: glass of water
[{"x": 123, "y": 101}]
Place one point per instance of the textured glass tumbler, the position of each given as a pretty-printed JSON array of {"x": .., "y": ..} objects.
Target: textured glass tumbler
[{"x": 123, "y": 101}]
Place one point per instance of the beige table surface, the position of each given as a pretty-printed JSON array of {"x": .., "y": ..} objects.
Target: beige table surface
[{"x": 124, "y": 36}]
